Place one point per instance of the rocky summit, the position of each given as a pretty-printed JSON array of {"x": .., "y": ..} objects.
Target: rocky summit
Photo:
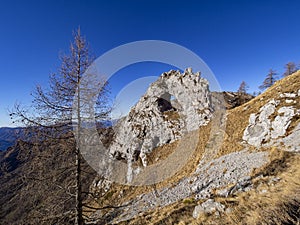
[{"x": 174, "y": 104}]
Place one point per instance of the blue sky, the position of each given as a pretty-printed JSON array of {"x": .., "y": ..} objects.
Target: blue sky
[{"x": 239, "y": 40}]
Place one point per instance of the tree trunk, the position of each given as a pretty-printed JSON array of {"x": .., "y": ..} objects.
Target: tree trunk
[{"x": 79, "y": 217}]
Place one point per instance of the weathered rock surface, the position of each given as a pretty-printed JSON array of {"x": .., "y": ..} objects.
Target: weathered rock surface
[
  {"x": 282, "y": 121},
  {"x": 209, "y": 206},
  {"x": 270, "y": 123},
  {"x": 173, "y": 105},
  {"x": 292, "y": 141},
  {"x": 259, "y": 128}
]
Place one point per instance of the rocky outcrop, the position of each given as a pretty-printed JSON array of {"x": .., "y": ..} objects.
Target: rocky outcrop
[
  {"x": 292, "y": 141},
  {"x": 271, "y": 123},
  {"x": 173, "y": 105},
  {"x": 282, "y": 121},
  {"x": 235, "y": 99},
  {"x": 259, "y": 128}
]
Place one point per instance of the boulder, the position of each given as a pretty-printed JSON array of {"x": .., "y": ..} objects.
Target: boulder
[{"x": 209, "y": 206}]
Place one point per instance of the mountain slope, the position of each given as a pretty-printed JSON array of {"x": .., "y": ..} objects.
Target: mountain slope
[{"x": 271, "y": 187}]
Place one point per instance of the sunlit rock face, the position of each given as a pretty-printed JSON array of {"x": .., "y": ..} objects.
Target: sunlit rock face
[
  {"x": 174, "y": 104},
  {"x": 259, "y": 128},
  {"x": 270, "y": 125}
]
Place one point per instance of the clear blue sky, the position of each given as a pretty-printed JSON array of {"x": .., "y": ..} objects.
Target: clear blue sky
[{"x": 238, "y": 39}]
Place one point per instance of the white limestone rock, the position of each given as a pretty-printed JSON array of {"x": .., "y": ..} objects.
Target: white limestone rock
[
  {"x": 288, "y": 95},
  {"x": 157, "y": 119},
  {"x": 290, "y": 101},
  {"x": 258, "y": 130},
  {"x": 262, "y": 129},
  {"x": 282, "y": 121},
  {"x": 209, "y": 206},
  {"x": 292, "y": 141}
]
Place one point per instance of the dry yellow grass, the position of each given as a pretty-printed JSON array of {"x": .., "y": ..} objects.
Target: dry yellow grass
[{"x": 161, "y": 153}]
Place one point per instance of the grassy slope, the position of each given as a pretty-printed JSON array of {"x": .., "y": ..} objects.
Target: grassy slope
[{"x": 238, "y": 118}]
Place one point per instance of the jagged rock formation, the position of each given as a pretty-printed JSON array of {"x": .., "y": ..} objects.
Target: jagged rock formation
[{"x": 173, "y": 105}]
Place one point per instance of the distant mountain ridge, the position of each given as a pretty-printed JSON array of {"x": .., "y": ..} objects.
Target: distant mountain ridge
[{"x": 9, "y": 135}]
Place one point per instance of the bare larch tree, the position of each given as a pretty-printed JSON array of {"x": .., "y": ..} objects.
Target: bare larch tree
[
  {"x": 51, "y": 115},
  {"x": 269, "y": 80},
  {"x": 290, "y": 68},
  {"x": 243, "y": 88}
]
